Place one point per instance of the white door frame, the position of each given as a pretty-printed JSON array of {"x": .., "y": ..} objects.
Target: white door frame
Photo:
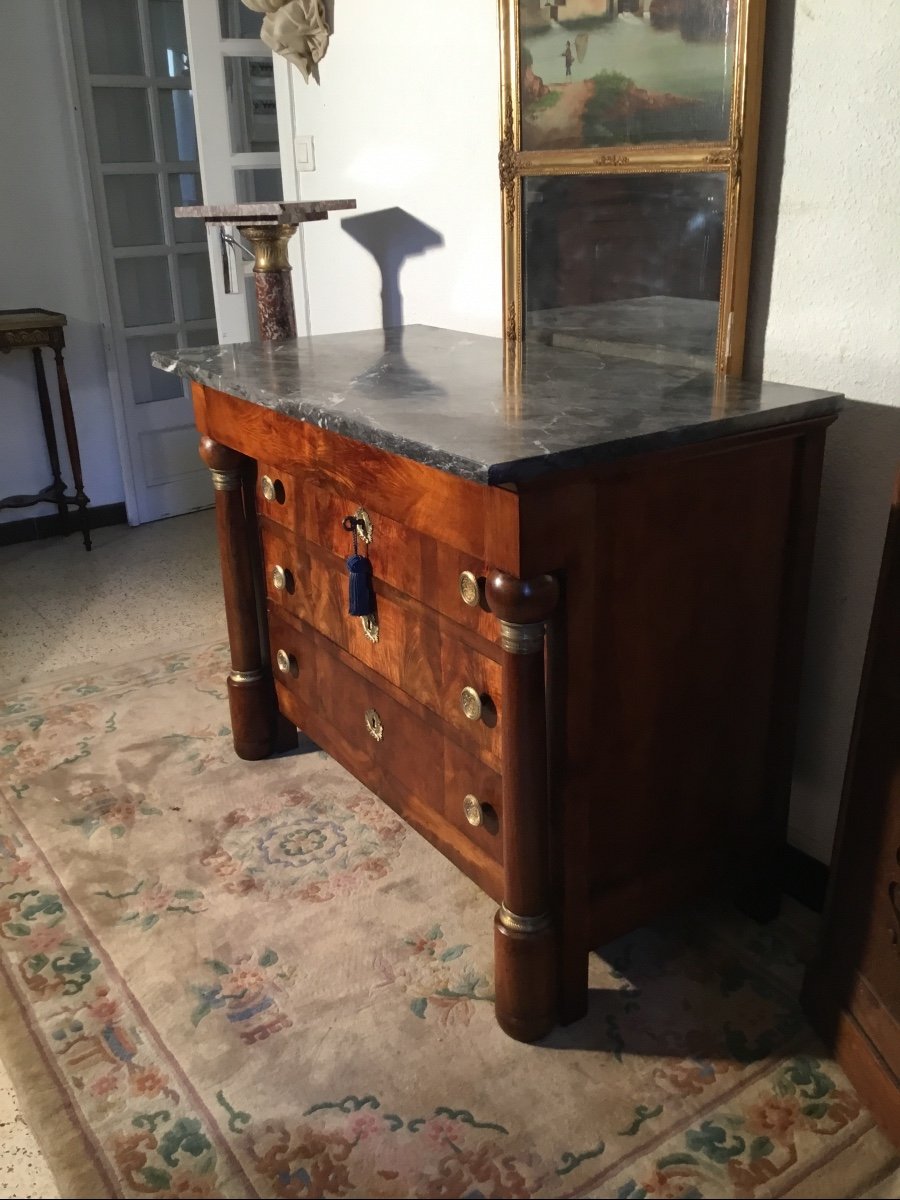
[{"x": 208, "y": 51}]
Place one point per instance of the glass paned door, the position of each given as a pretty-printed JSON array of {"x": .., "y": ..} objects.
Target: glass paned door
[
  {"x": 138, "y": 111},
  {"x": 237, "y": 124}
]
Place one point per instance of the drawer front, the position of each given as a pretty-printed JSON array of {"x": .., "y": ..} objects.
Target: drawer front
[
  {"x": 392, "y": 750},
  {"x": 419, "y": 566},
  {"x": 276, "y": 495},
  {"x": 412, "y": 651}
]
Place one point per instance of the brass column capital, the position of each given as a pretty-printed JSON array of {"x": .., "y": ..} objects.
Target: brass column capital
[{"x": 270, "y": 243}]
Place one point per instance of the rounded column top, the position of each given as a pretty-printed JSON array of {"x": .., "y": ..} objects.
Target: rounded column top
[{"x": 521, "y": 601}]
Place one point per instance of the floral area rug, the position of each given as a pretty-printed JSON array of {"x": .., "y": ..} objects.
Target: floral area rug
[{"x": 235, "y": 979}]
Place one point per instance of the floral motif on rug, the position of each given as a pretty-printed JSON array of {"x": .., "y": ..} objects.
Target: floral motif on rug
[
  {"x": 251, "y": 979},
  {"x": 437, "y": 976},
  {"x": 306, "y": 845}
]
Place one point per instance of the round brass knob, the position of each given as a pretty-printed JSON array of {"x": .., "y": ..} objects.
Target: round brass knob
[
  {"x": 285, "y": 661},
  {"x": 279, "y": 578},
  {"x": 469, "y": 588},
  {"x": 267, "y": 487},
  {"x": 473, "y": 810},
  {"x": 470, "y": 703},
  {"x": 374, "y": 727}
]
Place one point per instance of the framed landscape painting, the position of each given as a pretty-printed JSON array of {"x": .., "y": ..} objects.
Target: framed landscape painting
[
  {"x": 627, "y": 162},
  {"x": 605, "y": 73}
]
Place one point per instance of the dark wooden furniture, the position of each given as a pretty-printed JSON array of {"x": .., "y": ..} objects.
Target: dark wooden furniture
[
  {"x": 852, "y": 989},
  {"x": 34, "y": 328},
  {"x": 580, "y": 681}
]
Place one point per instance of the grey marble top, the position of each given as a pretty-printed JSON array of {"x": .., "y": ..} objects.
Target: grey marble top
[
  {"x": 264, "y": 212},
  {"x": 450, "y": 401}
]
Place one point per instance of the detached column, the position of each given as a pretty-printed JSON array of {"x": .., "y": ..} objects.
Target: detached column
[
  {"x": 524, "y": 938},
  {"x": 269, "y": 226},
  {"x": 272, "y": 275},
  {"x": 253, "y": 720}
]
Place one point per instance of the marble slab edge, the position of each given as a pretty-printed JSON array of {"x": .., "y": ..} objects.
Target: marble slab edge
[
  {"x": 519, "y": 470},
  {"x": 279, "y": 212},
  {"x": 527, "y": 470}
]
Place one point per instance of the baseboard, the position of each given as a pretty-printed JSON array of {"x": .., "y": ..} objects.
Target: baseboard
[
  {"x": 48, "y": 524},
  {"x": 804, "y": 878}
]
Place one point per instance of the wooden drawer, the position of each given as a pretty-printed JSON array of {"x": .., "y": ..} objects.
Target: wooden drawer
[
  {"x": 418, "y": 651},
  {"x": 416, "y": 565},
  {"x": 419, "y": 772},
  {"x": 278, "y": 503}
]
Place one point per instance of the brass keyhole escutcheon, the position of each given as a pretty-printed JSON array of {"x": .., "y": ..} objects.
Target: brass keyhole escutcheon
[
  {"x": 287, "y": 663},
  {"x": 471, "y": 703},
  {"x": 280, "y": 578},
  {"x": 473, "y": 811},
  {"x": 470, "y": 589},
  {"x": 363, "y": 525},
  {"x": 374, "y": 727}
]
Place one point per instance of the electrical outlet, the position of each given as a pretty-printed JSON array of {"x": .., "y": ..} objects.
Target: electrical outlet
[{"x": 304, "y": 152}]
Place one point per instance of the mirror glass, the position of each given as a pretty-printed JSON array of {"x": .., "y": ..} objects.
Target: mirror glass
[{"x": 625, "y": 265}]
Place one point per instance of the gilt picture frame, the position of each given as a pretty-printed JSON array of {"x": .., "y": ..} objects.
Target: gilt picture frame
[{"x": 628, "y": 172}]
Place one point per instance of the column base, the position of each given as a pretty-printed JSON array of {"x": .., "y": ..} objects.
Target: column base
[
  {"x": 252, "y": 720},
  {"x": 525, "y": 986}
]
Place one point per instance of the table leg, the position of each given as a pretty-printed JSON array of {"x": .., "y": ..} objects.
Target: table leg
[
  {"x": 525, "y": 950},
  {"x": 250, "y": 694},
  {"x": 65, "y": 402},
  {"x": 272, "y": 275},
  {"x": 59, "y": 488}
]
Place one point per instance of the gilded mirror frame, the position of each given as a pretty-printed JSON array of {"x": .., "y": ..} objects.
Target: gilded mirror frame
[{"x": 735, "y": 157}]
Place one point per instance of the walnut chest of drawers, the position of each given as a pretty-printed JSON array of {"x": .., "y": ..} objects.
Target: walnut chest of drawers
[{"x": 580, "y": 679}]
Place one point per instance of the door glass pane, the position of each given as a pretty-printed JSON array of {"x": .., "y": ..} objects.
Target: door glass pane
[
  {"x": 148, "y": 383},
  {"x": 169, "y": 38},
  {"x": 185, "y": 188},
  {"x": 123, "y": 124},
  {"x": 112, "y": 34},
  {"x": 132, "y": 202},
  {"x": 176, "y": 113},
  {"x": 196, "y": 286},
  {"x": 203, "y": 335},
  {"x": 250, "y": 86},
  {"x": 237, "y": 21},
  {"x": 144, "y": 291},
  {"x": 626, "y": 264},
  {"x": 251, "y": 186}
]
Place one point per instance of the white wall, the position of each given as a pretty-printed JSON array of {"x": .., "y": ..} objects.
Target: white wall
[
  {"x": 407, "y": 115},
  {"x": 45, "y": 263},
  {"x": 825, "y": 311}
]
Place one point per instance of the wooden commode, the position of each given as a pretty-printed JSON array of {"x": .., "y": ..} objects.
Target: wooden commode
[{"x": 580, "y": 679}]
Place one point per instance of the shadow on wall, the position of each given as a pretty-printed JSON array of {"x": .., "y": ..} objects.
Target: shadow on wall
[
  {"x": 861, "y": 459},
  {"x": 391, "y": 236},
  {"x": 776, "y": 89}
]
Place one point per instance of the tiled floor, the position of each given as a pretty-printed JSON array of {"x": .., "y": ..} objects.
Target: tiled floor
[{"x": 138, "y": 588}]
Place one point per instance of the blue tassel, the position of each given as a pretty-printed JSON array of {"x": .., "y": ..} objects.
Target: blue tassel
[{"x": 362, "y": 597}]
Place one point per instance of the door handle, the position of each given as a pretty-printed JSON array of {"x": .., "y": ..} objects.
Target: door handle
[{"x": 231, "y": 272}]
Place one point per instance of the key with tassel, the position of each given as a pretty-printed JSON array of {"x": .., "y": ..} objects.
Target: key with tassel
[{"x": 359, "y": 569}]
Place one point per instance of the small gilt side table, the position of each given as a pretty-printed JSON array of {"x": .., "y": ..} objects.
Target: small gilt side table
[{"x": 35, "y": 328}]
